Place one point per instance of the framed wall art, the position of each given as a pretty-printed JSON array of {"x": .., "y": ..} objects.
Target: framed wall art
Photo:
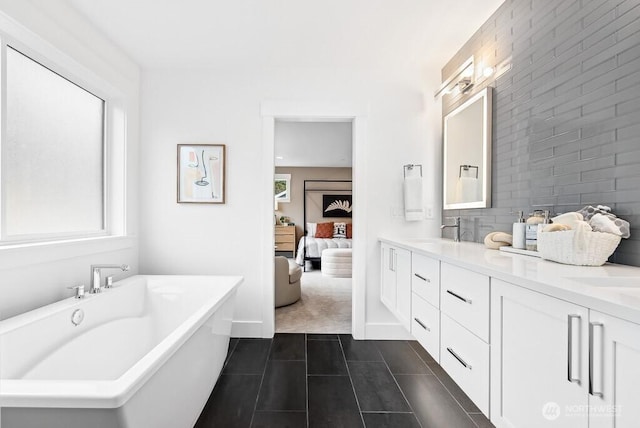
[
  {"x": 336, "y": 206},
  {"x": 282, "y": 187},
  {"x": 201, "y": 173}
]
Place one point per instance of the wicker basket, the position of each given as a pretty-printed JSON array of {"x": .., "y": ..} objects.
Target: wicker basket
[{"x": 582, "y": 249}]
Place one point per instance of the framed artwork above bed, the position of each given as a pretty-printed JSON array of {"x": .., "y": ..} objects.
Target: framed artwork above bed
[{"x": 336, "y": 206}]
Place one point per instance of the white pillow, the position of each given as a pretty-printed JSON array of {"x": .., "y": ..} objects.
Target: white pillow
[
  {"x": 311, "y": 229},
  {"x": 339, "y": 230}
]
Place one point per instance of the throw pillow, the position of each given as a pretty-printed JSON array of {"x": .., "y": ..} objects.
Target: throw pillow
[
  {"x": 339, "y": 230},
  {"x": 311, "y": 229},
  {"x": 349, "y": 231},
  {"x": 324, "y": 230}
]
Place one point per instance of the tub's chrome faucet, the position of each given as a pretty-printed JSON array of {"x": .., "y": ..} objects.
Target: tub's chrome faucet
[
  {"x": 96, "y": 280},
  {"x": 455, "y": 226}
]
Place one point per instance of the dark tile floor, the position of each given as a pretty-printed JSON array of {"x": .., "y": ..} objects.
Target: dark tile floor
[{"x": 326, "y": 380}]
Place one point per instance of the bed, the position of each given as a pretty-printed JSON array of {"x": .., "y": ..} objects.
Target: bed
[
  {"x": 335, "y": 205},
  {"x": 311, "y": 248}
]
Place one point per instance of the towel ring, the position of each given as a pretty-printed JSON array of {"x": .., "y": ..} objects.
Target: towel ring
[
  {"x": 466, "y": 168},
  {"x": 410, "y": 167}
]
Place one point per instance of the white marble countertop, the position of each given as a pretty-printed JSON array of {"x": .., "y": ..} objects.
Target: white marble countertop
[{"x": 611, "y": 288}]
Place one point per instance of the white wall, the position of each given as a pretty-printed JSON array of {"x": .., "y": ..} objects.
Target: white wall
[
  {"x": 208, "y": 106},
  {"x": 33, "y": 276}
]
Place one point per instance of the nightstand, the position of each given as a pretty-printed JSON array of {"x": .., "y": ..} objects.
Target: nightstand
[{"x": 286, "y": 239}]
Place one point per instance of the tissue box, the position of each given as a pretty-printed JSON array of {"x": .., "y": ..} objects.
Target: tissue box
[{"x": 586, "y": 249}]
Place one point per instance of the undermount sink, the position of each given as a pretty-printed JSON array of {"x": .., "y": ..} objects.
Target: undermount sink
[{"x": 610, "y": 281}]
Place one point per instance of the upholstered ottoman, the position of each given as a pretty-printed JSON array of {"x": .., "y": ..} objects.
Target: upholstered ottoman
[{"x": 336, "y": 262}]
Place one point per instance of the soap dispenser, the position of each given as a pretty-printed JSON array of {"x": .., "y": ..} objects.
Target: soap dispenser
[
  {"x": 531, "y": 230},
  {"x": 519, "y": 240}
]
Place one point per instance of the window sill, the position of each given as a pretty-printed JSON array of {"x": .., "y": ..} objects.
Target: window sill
[{"x": 14, "y": 256}]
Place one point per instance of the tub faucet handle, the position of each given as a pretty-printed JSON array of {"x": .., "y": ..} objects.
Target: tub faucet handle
[
  {"x": 79, "y": 291},
  {"x": 96, "y": 286},
  {"x": 108, "y": 283}
]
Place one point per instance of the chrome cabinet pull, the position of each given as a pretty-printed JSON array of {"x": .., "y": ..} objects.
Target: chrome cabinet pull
[
  {"x": 391, "y": 259},
  {"x": 570, "y": 377},
  {"x": 422, "y": 277},
  {"x": 421, "y": 324},
  {"x": 460, "y": 360},
  {"x": 459, "y": 297},
  {"x": 592, "y": 356}
]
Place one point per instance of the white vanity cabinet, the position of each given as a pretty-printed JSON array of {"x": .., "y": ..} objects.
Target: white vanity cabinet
[
  {"x": 395, "y": 290},
  {"x": 530, "y": 342},
  {"x": 539, "y": 359},
  {"x": 614, "y": 370},
  {"x": 425, "y": 303}
]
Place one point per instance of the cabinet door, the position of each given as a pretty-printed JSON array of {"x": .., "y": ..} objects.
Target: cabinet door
[
  {"x": 403, "y": 287},
  {"x": 614, "y": 372},
  {"x": 388, "y": 277},
  {"x": 539, "y": 359}
]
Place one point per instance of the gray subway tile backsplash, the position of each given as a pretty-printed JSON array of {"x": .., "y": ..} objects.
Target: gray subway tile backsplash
[{"x": 566, "y": 116}]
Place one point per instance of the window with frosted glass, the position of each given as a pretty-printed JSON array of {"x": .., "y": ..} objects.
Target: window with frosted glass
[{"x": 52, "y": 154}]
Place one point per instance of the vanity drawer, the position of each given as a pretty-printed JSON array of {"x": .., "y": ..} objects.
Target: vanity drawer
[
  {"x": 425, "y": 325},
  {"x": 465, "y": 298},
  {"x": 425, "y": 278},
  {"x": 466, "y": 359}
]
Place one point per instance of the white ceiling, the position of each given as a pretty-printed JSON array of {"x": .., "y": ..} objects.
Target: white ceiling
[{"x": 277, "y": 33}]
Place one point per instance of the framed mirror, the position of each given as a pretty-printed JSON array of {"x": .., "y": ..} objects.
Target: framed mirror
[{"x": 467, "y": 154}]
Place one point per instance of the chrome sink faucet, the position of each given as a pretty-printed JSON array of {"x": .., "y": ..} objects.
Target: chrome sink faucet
[
  {"x": 96, "y": 277},
  {"x": 455, "y": 226}
]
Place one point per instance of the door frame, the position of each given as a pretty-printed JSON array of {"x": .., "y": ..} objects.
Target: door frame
[{"x": 314, "y": 111}]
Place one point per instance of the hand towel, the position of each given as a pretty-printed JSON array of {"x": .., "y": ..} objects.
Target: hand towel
[
  {"x": 609, "y": 224},
  {"x": 413, "y": 206},
  {"x": 495, "y": 240},
  {"x": 468, "y": 189}
]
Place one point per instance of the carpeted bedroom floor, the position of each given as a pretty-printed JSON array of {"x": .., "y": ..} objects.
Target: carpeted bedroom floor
[{"x": 325, "y": 306}]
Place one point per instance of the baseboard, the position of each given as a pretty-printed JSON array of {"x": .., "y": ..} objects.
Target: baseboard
[
  {"x": 252, "y": 329},
  {"x": 386, "y": 331}
]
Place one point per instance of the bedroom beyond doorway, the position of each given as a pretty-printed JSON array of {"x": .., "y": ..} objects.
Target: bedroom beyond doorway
[{"x": 313, "y": 214}]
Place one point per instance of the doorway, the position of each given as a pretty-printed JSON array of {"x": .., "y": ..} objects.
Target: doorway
[
  {"x": 312, "y": 112},
  {"x": 313, "y": 230}
]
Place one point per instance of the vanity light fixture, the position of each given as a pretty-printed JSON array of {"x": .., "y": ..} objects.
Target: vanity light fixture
[
  {"x": 465, "y": 85},
  {"x": 460, "y": 80}
]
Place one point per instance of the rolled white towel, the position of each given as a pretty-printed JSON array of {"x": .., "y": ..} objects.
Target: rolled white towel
[
  {"x": 495, "y": 240},
  {"x": 610, "y": 224},
  {"x": 570, "y": 219},
  {"x": 556, "y": 227}
]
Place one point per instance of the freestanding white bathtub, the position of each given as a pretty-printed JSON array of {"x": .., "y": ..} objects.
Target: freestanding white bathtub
[{"x": 146, "y": 355}]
